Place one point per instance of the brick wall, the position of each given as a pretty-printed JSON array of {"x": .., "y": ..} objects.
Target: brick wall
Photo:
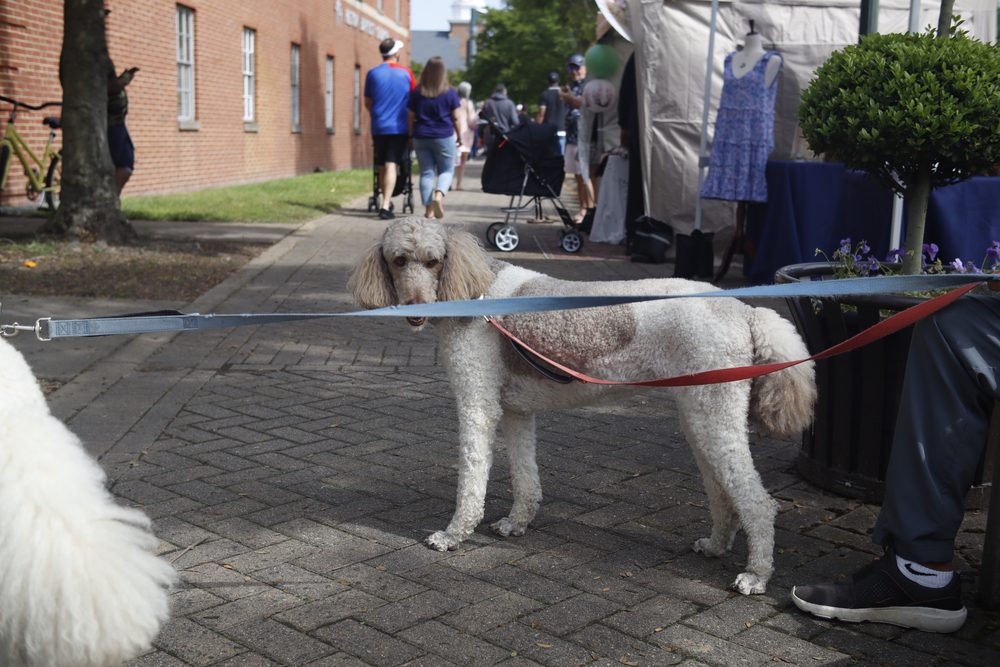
[{"x": 222, "y": 150}]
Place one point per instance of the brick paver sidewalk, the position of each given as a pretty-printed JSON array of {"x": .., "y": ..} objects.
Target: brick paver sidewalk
[{"x": 293, "y": 471}]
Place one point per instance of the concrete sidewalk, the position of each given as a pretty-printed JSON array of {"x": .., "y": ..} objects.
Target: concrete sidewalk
[{"x": 293, "y": 471}]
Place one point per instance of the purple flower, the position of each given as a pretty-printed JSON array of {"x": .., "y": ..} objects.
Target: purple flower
[
  {"x": 895, "y": 255},
  {"x": 993, "y": 252},
  {"x": 930, "y": 251},
  {"x": 957, "y": 265},
  {"x": 864, "y": 248},
  {"x": 970, "y": 267},
  {"x": 873, "y": 265}
]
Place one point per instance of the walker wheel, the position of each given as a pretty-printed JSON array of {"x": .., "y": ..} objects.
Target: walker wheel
[
  {"x": 371, "y": 204},
  {"x": 491, "y": 233},
  {"x": 571, "y": 242},
  {"x": 408, "y": 202},
  {"x": 506, "y": 238}
]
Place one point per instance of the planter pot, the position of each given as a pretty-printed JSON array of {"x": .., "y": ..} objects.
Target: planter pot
[{"x": 846, "y": 450}]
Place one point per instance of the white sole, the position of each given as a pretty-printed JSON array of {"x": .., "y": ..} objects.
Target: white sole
[{"x": 918, "y": 618}]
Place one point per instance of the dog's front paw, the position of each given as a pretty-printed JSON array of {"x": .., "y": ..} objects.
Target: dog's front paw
[
  {"x": 443, "y": 541},
  {"x": 507, "y": 527},
  {"x": 749, "y": 583},
  {"x": 705, "y": 547}
]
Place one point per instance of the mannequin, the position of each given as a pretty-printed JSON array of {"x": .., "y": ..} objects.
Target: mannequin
[
  {"x": 737, "y": 165},
  {"x": 753, "y": 50}
]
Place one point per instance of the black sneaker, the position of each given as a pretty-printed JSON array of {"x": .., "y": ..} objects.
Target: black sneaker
[
  {"x": 386, "y": 214},
  {"x": 880, "y": 593}
]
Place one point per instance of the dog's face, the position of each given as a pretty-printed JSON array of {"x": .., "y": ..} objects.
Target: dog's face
[
  {"x": 415, "y": 261},
  {"x": 421, "y": 261}
]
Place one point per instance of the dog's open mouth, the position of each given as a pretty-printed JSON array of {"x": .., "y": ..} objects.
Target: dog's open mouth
[{"x": 416, "y": 321}]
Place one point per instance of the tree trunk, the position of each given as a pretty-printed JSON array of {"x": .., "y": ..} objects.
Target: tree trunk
[
  {"x": 944, "y": 18},
  {"x": 89, "y": 207},
  {"x": 916, "y": 197}
]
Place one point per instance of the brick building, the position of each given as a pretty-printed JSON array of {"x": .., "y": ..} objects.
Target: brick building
[{"x": 228, "y": 91}]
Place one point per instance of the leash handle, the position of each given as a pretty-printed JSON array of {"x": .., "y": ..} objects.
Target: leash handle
[{"x": 886, "y": 327}]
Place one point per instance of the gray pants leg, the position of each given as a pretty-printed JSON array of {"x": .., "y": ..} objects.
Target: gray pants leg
[{"x": 951, "y": 383}]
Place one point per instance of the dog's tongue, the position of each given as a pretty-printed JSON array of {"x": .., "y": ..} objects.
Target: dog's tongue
[{"x": 416, "y": 321}]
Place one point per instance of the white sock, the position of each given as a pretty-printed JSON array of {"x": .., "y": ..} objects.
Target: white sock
[{"x": 923, "y": 575}]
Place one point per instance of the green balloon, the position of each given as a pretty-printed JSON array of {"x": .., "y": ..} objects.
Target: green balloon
[{"x": 602, "y": 61}]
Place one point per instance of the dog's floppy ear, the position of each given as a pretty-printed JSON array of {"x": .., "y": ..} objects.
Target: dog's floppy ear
[
  {"x": 371, "y": 283},
  {"x": 466, "y": 273}
]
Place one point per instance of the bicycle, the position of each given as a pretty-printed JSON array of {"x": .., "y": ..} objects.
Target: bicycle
[{"x": 50, "y": 161}]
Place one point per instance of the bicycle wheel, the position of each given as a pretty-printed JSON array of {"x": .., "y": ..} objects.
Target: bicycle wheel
[{"x": 53, "y": 182}]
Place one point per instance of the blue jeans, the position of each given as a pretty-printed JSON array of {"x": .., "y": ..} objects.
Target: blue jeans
[
  {"x": 436, "y": 158},
  {"x": 952, "y": 381}
]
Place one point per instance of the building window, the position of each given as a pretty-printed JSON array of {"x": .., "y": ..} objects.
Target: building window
[
  {"x": 399, "y": 10},
  {"x": 296, "y": 116},
  {"x": 357, "y": 99},
  {"x": 185, "y": 63},
  {"x": 328, "y": 94},
  {"x": 379, "y": 7},
  {"x": 249, "y": 39}
]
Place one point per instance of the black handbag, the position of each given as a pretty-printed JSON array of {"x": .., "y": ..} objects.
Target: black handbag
[{"x": 651, "y": 241}]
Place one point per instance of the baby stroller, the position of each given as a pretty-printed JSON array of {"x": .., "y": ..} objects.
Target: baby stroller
[
  {"x": 404, "y": 186},
  {"x": 525, "y": 163}
]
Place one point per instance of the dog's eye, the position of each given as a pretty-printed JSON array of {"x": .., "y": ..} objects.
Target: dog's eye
[
  {"x": 431, "y": 263},
  {"x": 400, "y": 261}
]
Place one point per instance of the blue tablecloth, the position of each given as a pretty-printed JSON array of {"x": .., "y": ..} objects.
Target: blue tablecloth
[{"x": 816, "y": 204}]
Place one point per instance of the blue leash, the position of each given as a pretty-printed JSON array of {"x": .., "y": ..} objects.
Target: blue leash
[{"x": 47, "y": 328}]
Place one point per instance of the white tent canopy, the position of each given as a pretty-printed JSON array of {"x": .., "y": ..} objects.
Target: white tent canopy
[{"x": 671, "y": 41}]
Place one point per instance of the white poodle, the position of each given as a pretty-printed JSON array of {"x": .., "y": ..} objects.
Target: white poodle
[
  {"x": 421, "y": 261},
  {"x": 78, "y": 584}
]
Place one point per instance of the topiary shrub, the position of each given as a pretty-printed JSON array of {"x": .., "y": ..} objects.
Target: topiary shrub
[{"x": 913, "y": 110}]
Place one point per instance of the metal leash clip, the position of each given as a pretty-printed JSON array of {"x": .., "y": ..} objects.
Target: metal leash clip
[{"x": 11, "y": 330}]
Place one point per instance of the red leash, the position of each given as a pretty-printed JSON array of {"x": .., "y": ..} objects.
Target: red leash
[{"x": 888, "y": 326}]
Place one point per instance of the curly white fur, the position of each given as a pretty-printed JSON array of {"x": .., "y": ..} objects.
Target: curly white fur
[
  {"x": 421, "y": 261},
  {"x": 78, "y": 584}
]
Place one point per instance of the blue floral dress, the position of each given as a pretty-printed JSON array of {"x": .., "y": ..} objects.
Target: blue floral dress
[{"x": 744, "y": 135}]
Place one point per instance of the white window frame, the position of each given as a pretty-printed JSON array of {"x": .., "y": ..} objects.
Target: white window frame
[
  {"x": 185, "y": 64},
  {"x": 357, "y": 99},
  {"x": 399, "y": 10},
  {"x": 328, "y": 95},
  {"x": 379, "y": 6},
  {"x": 296, "y": 88},
  {"x": 249, "y": 80}
]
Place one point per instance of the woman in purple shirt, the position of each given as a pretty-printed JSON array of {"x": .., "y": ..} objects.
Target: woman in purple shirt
[{"x": 434, "y": 126}]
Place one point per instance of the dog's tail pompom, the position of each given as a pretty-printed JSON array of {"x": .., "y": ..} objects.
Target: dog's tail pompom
[
  {"x": 80, "y": 585},
  {"x": 781, "y": 402}
]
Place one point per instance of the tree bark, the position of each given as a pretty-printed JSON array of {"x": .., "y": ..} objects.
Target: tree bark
[
  {"x": 944, "y": 18},
  {"x": 89, "y": 207},
  {"x": 916, "y": 197}
]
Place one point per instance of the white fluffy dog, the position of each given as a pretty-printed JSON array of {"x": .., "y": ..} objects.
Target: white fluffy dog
[
  {"x": 78, "y": 584},
  {"x": 421, "y": 261}
]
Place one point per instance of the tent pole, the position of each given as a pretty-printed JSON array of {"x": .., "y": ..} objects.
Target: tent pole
[{"x": 702, "y": 157}]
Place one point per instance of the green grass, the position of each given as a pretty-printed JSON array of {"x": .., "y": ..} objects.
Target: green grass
[{"x": 285, "y": 200}]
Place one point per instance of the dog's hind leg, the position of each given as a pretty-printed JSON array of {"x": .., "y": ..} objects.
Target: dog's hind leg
[
  {"x": 722, "y": 440},
  {"x": 725, "y": 522},
  {"x": 519, "y": 435}
]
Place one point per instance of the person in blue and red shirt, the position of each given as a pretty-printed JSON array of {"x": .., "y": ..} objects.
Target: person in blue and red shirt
[{"x": 387, "y": 90}]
